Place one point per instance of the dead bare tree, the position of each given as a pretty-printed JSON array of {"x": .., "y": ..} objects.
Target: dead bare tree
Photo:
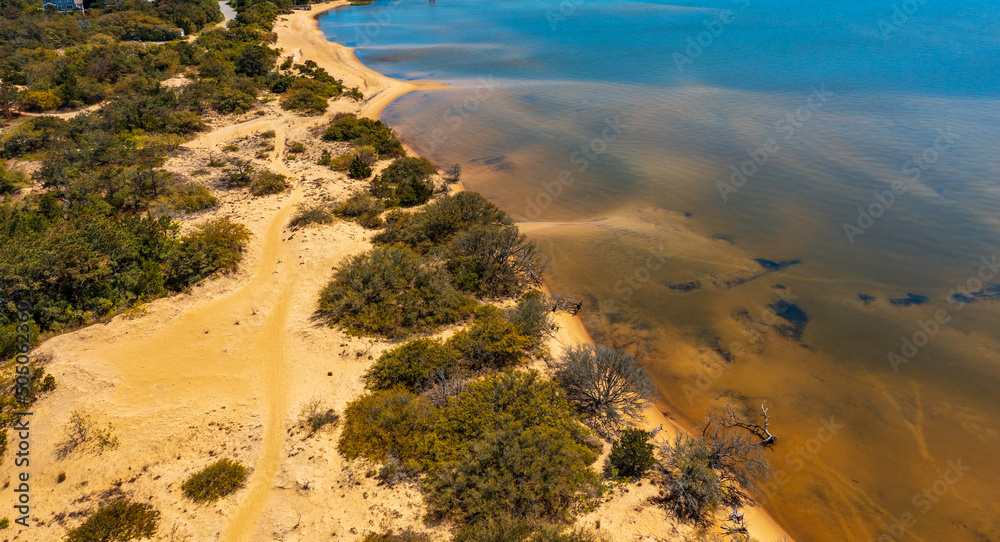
[{"x": 762, "y": 432}]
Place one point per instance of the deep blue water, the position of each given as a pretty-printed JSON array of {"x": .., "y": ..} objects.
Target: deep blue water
[{"x": 875, "y": 127}]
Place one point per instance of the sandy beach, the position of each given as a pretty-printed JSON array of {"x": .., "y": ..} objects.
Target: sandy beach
[{"x": 225, "y": 369}]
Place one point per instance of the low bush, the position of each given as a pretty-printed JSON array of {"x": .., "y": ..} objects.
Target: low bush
[
  {"x": 411, "y": 366},
  {"x": 11, "y": 181},
  {"x": 364, "y": 131},
  {"x": 363, "y": 209},
  {"x": 118, "y": 521},
  {"x": 439, "y": 222},
  {"x": 325, "y": 159},
  {"x": 509, "y": 445},
  {"x": 309, "y": 96},
  {"x": 216, "y": 481},
  {"x": 187, "y": 198},
  {"x": 296, "y": 147},
  {"x": 491, "y": 342},
  {"x": 494, "y": 260},
  {"x": 607, "y": 385},
  {"x": 306, "y": 214},
  {"x": 39, "y": 101},
  {"x": 387, "y": 424},
  {"x": 391, "y": 291},
  {"x": 531, "y": 316},
  {"x": 317, "y": 415},
  {"x": 404, "y": 182},
  {"x": 632, "y": 454},
  {"x": 359, "y": 169},
  {"x": 268, "y": 182},
  {"x": 215, "y": 246},
  {"x": 692, "y": 488},
  {"x": 268, "y": 134},
  {"x": 239, "y": 172}
]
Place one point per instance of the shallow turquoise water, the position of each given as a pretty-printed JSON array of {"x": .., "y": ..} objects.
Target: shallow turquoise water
[{"x": 574, "y": 111}]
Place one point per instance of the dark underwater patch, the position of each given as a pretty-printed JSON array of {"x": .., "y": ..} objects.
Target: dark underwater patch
[
  {"x": 910, "y": 299},
  {"x": 990, "y": 292},
  {"x": 866, "y": 299},
  {"x": 772, "y": 265}
]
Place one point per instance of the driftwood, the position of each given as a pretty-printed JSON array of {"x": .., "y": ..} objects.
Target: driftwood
[
  {"x": 566, "y": 304},
  {"x": 760, "y": 431}
]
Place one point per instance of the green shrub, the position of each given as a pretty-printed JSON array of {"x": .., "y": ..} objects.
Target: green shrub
[
  {"x": 11, "y": 182},
  {"x": 632, "y": 454},
  {"x": 5, "y": 522},
  {"x": 387, "y": 424},
  {"x": 406, "y": 168},
  {"x": 491, "y": 342},
  {"x": 268, "y": 182},
  {"x": 230, "y": 148},
  {"x": 494, "y": 260},
  {"x": 508, "y": 445},
  {"x": 215, "y": 481},
  {"x": 487, "y": 405},
  {"x": 239, "y": 172},
  {"x": 606, "y": 384},
  {"x": 439, "y": 222},
  {"x": 296, "y": 147},
  {"x": 189, "y": 198},
  {"x": 411, "y": 365},
  {"x": 325, "y": 159},
  {"x": 404, "y": 181},
  {"x": 308, "y": 96},
  {"x": 363, "y": 209},
  {"x": 228, "y": 100},
  {"x": 364, "y": 131},
  {"x": 214, "y": 246},
  {"x": 531, "y": 317},
  {"x": 40, "y": 101},
  {"x": 359, "y": 169},
  {"x": 391, "y": 291},
  {"x": 268, "y": 134},
  {"x": 118, "y": 521},
  {"x": 305, "y": 214},
  {"x": 692, "y": 488}
]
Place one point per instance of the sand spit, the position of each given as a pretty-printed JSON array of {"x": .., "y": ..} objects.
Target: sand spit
[{"x": 225, "y": 369}]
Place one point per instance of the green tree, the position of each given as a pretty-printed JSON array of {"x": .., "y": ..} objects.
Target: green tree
[{"x": 632, "y": 454}]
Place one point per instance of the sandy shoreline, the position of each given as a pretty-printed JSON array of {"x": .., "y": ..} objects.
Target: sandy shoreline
[
  {"x": 224, "y": 369},
  {"x": 300, "y": 33}
]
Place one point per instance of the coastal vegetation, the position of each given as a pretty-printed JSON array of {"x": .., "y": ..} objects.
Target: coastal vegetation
[
  {"x": 118, "y": 521},
  {"x": 215, "y": 481}
]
